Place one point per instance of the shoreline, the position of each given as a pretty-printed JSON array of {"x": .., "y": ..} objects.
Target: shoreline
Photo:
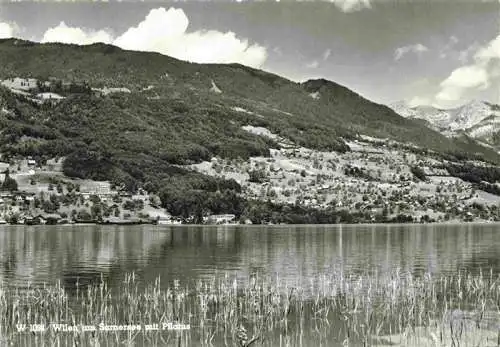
[{"x": 454, "y": 223}]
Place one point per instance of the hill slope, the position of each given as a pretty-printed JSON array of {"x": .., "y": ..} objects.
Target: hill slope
[
  {"x": 285, "y": 105},
  {"x": 134, "y": 117}
]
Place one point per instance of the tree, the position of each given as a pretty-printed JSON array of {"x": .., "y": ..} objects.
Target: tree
[
  {"x": 84, "y": 215},
  {"x": 9, "y": 183},
  {"x": 95, "y": 199},
  {"x": 96, "y": 211},
  {"x": 154, "y": 200},
  {"x": 129, "y": 205},
  {"x": 385, "y": 212},
  {"x": 106, "y": 211},
  {"x": 418, "y": 173},
  {"x": 13, "y": 218},
  {"x": 257, "y": 176}
]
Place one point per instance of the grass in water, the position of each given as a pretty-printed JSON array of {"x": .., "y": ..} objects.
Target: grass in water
[{"x": 337, "y": 309}]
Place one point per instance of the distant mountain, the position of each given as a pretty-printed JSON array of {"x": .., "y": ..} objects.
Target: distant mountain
[
  {"x": 477, "y": 119},
  {"x": 438, "y": 119}
]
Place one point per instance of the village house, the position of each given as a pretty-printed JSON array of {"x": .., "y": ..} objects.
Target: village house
[
  {"x": 167, "y": 221},
  {"x": 34, "y": 220},
  {"x": 220, "y": 219}
]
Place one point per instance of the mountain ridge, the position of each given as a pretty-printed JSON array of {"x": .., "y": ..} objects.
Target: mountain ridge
[{"x": 477, "y": 119}]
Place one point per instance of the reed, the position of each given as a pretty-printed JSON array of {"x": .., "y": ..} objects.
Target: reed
[{"x": 462, "y": 309}]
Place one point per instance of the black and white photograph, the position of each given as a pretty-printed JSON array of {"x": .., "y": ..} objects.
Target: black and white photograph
[{"x": 236, "y": 173}]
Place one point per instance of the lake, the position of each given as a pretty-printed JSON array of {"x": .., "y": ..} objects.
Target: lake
[
  {"x": 39, "y": 254},
  {"x": 298, "y": 256}
]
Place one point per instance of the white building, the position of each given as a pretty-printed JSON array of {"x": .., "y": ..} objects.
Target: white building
[{"x": 221, "y": 218}]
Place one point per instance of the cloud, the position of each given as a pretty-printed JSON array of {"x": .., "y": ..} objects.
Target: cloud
[
  {"x": 419, "y": 101},
  {"x": 6, "y": 31},
  {"x": 447, "y": 49},
  {"x": 416, "y": 48},
  {"x": 490, "y": 51},
  {"x": 327, "y": 54},
  {"x": 351, "y": 5},
  {"x": 165, "y": 31},
  {"x": 462, "y": 80},
  {"x": 470, "y": 79},
  {"x": 277, "y": 51},
  {"x": 64, "y": 34},
  {"x": 316, "y": 62},
  {"x": 464, "y": 55},
  {"x": 312, "y": 65}
]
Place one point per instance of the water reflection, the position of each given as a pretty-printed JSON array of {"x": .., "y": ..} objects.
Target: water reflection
[{"x": 297, "y": 254}]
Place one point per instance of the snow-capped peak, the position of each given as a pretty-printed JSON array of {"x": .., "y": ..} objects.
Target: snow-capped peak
[
  {"x": 439, "y": 119},
  {"x": 456, "y": 119},
  {"x": 469, "y": 115}
]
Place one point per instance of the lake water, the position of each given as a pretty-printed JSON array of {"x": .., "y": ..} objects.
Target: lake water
[
  {"x": 296, "y": 255},
  {"x": 47, "y": 254}
]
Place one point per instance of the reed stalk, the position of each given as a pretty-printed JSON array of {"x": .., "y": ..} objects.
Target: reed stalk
[{"x": 358, "y": 310}]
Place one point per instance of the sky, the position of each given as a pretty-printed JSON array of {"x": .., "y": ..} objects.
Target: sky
[{"x": 426, "y": 52}]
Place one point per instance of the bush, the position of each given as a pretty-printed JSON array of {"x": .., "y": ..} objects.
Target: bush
[
  {"x": 83, "y": 215},
  {"x": 257, "y": 176},
  {"x": 418, "y": 173}
]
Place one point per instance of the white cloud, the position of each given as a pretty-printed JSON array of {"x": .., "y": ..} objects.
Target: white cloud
[
  {"x": 462, "y": 80},
  {"x": 160, "y": 28},
  {"x": 468, "y": 80},
  {"x": 351, "y": 5},
  {"x": 471, "y": 76},
  {"x": 312, "y": 65},
  {"x": 327, "y": 54},
  {"x": 447, "y": 49},
  {"x": 165, "y": 32},
  {"x": 64, "y": 34},
  {"x": 419, "y": 101},
  {"x": 464, "y": 55},
  {"x": 6, "y": 31},
  {"x": 416, "y": 48},
  {"x": 490, "y": 51}
]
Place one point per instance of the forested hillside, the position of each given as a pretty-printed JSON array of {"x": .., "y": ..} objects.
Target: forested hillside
[{"x": 170, "y": 113}]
